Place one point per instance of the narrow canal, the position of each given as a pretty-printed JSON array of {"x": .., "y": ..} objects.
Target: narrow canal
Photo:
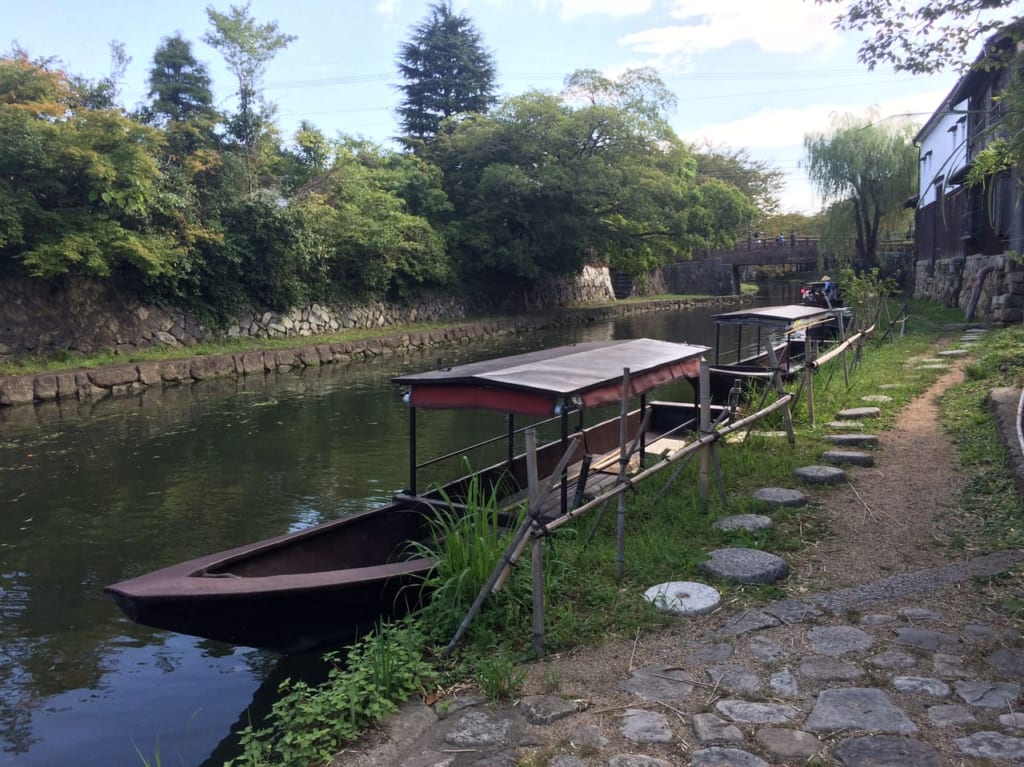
[{"x": 93, "y": 494}]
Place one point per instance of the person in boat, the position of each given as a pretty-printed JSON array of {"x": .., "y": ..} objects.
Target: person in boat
[{"x": 829, "y": 289}]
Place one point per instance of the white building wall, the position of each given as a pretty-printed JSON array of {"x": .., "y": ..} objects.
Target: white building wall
[{"x": 943, "y": 152}]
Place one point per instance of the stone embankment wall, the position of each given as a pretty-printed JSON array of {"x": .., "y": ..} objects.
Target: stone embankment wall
[
  {"x": 991, "y": 288},
  {"x": 89, "y": 316},
  {"x": 131, "y": 378}
]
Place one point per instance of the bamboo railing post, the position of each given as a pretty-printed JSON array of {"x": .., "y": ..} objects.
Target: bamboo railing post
[
  {"x": 780, "y": 391},
  {"x": 515, "y": 547},
  {"x": 705, "y": 428},
  {"x": 620, "y": 527},
  {"x": 809, "y": 382},
  {"x": 536, "y": 550}
]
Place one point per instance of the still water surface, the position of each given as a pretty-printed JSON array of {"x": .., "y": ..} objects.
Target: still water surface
[{"x": 95, "y": 493}]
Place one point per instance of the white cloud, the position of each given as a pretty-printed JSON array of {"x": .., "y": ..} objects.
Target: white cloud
[
  {"x": 779, "y": 26},
  {"x": 388, "y": 8},
  {"x": 616, "y": 9},
  {"x": 781, "y": 127}
]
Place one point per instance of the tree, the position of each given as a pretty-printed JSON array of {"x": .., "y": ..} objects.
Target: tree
[
  {"x": 925, "y": 37},
  {"x": 248, "y": 48},
  {"x": 761, "y": 183},
  {"x": 447, "y": 72},
  {"x": 864, "y": 170},
  {"x": 182, "y": 99},
  {"x": 80, "y": 189},
  {"x": 179, "y": 85},
  {"x": 540, "y": 185}
]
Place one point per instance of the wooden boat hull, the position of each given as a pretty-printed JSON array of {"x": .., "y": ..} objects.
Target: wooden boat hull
[
  {"x": 291, "y": 593},
  {"x": 330, "y": 582}
]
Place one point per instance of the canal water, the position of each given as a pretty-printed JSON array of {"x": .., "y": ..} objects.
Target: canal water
[{"x": 93, "y": 494}]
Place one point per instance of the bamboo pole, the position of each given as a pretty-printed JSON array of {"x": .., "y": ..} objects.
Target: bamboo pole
[
  {"x": 780, "y": 390},
  {"x": 705, "y": 428},
  {"x": 536, "y": 551},
  {"x": 516, "y": 545},
  {"x": 620, "y": 526}
]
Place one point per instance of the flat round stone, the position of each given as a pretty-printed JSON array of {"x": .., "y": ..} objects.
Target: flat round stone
[
  {"x": 853, "y": 413},
  {"x": 848, "y": 425},
  {"x": 820, "y": 475},
  {"x": 851, "y": 457},
  {"x": 881, "y": 398},
  {"x": 780, "y": 496},
  {"x": 738, "y": 565},
  {"x": 683, "y": 597},
  {"x": 951, "y": 353},
  {"x": 851, "y": 439},
  {"x": 752, "y": 523}
]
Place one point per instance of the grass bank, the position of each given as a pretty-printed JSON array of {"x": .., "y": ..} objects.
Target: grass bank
[{"x": 668, "y": 534}]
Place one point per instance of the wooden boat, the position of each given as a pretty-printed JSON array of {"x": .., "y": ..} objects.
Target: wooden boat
[
  {"x": 327, "y": 582},
  {"x": 790, "y": 330}
]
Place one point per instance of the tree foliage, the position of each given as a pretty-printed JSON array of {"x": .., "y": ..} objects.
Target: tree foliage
[
  {"x": 760, "y": 182},
  {"x": 864, "y": 170},
  {"x": 80, "y": 189},
  {"x": 248, "y": 47},
  {"x": 925, "y": 37},
  {"x": 447, "y": 72}
]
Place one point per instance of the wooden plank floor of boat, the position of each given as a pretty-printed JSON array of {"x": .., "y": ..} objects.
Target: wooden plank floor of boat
[{"x": 604, "y": 472}]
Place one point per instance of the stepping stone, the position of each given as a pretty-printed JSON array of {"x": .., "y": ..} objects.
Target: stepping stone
[
  {"x": 853, "y": 457},
  {"x": 952, "y": 353},
  {"x": 853, "y": 413},
  {"x": 889, "y": 386},
  {"x": 737, "y": 565},
  {"x": 780, "y": 496},
  {"x": 851, "y": 439},
  {"x": 752, "y": 523},
  {"x": 683, "y": 597},
  {"x": 858, "y": 708},
  {"x": 991, "y": 745},
  {"x": 844, "y": 425},
  {"x": 887, "y": 751},
  {"x": 820, "y": 475},
  {"x": 932, "y": 367},
  {"x": 882, "y": 398}
]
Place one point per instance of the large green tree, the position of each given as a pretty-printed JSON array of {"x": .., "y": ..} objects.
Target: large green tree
[
  {"x": 541, "y": 185},
  {"x": 865, "y": 170},
  {"x": 447, "y": 71},
  {"x": 81, "y": 190},
  {"x": 248, "y": 47},
  {"x": 760, "y": 182}
]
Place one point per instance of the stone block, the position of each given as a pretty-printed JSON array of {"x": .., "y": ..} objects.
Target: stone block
[
  {"x": 113, "y": 375},
  {"x": 44, "y": 387},
  {"x": 213, "y": 366},
  {"x": 17, "y": 390}
]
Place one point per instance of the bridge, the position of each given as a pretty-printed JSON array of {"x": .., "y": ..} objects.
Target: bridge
[{"x": 756, "y": 251}]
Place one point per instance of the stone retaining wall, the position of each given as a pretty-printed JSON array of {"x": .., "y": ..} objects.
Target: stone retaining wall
[
  {"x": 87, "y": 316},
  {"x": 130, "y": 378},
  {"x": 954, "y": 281}
]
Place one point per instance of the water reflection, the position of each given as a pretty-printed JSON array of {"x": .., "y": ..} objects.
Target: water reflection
[{"x": 96, "y": 492}]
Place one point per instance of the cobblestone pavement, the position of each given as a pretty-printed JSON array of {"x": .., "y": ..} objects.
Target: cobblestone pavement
[{"x": 910, "y": 671}]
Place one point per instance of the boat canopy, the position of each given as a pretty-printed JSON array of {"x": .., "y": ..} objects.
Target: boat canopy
[
  {"x": 549, "y": 381},
  {"x": 786, "y": 317}
]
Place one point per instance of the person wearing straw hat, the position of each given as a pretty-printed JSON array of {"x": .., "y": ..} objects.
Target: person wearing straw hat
[{"x": 828, "y": 288}]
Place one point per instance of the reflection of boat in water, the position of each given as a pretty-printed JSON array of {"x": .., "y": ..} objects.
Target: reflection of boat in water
[
  {"x": 325, "y": 582},
  {"x": 755, "y": 335}
]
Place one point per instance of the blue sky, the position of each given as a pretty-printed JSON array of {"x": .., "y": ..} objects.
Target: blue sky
[{"x": 751, "y": 74}]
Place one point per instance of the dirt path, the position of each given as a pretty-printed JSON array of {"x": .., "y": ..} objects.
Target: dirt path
[{"x": 890, "y": 518}]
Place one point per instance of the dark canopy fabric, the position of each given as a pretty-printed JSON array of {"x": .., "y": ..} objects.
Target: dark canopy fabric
[{"x": 536, "y": 383}]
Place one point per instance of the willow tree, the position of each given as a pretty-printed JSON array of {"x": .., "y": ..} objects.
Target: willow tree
[{"x": 864, "y": 170}]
